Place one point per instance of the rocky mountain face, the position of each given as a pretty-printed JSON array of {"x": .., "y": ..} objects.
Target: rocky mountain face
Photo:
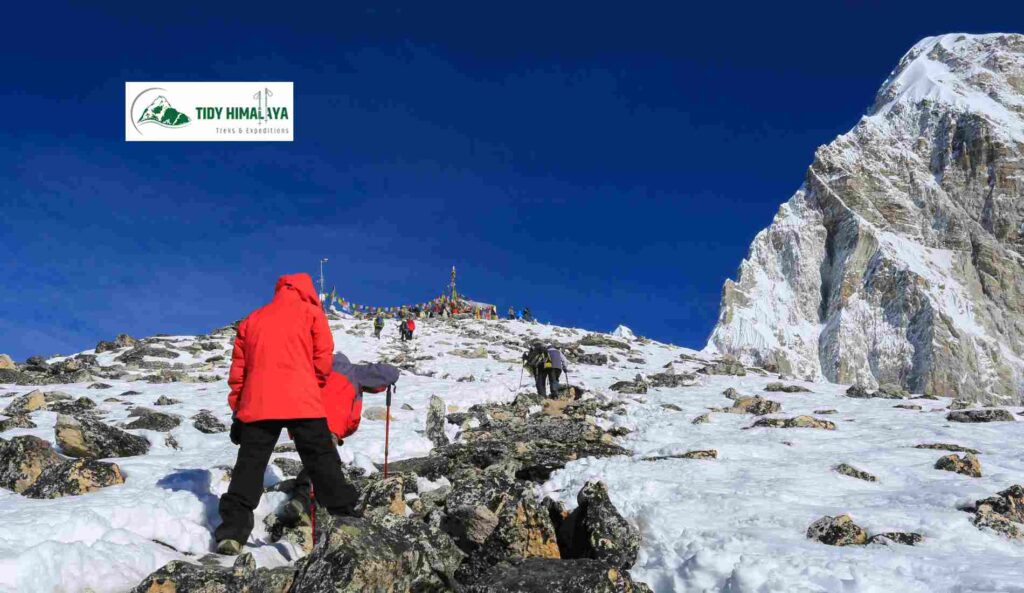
[{"x": 901, "y": 257}]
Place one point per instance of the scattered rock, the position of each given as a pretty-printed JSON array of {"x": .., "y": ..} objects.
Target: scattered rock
[
  {"x": 849, "y": 470},
  {"x": 541, "y": 575},
  {"x": 79, "y": 407},
  {"x": 699, "y": 454},
  {"x": 724, "y": 367},
  {"x": 837, "y": 531},
  {"x": 671, "y": 407},
  {"x": 376, "y": 413},
  {"x": 24, "y": 404},
  {"x": 592, "y": 358},
  {"x": 602, "y": 341},
  {"x": 84, "y": 437},
  {"x": 731, "y": 393},
  {"x": 23, "y": 459},
  {"x": 779, "y": 387},
  {"x": 479, "y": 352},
  {"x": 947, "y": 447},
  {"x": 967, "y": 464},
  {"x": 755, "y": 405},
  {"x": 988, "y": 415},
  {"x": 150, "y": 420},
  {"x": 702, "y": 419},
  {"x": 907, "y": 406},
  {"x": 671, "y": 380},
  {"x": 636, "y": 386},
  {"x": 892, "y": 390},
  {"x": 1003, "y": 513},
  {"x": 798, "y": 422},
  {"x": 99, "y": 386},
  {"x": 436, "y": 421},
  {"x": 207, "y": 423},
  {"x": 184, "y": 577},
  {"x": 16, "y": 422},
  {"x": 825, "y": 412},
  {"x": 140, "y": 352},
  {"x": 75, "y": 477},
  {"x": 596, "y": 530},
  {"x": 163, "y": 400},
  {"x": 896, "y": 537},
  {"x": 121, "y": 341},
  {"x": 288, "y": 466},
  {"x": 379, "y": 553}
]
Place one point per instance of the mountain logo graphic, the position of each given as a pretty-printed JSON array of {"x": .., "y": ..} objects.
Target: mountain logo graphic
[{"x": 160, "y": 112}]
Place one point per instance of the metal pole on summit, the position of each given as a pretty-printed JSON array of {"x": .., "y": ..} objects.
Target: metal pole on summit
[{"x": 322, "y": 262}]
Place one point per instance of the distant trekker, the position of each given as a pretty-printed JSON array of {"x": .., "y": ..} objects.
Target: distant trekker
[
  {"x": 546, "y": 364},
  {"x": 406, "y": 328},
  {"x": 378, "y": 325},
  {"x": 511, "y": 313},
  {"x": 527, "y": 315}
]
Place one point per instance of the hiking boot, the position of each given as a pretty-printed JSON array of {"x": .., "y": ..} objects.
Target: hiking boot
[
  {"x": 295, "y": 513},
  {"x": 229, "y": 547}
]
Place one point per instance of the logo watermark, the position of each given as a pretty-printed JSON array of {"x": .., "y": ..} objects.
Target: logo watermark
[{"x": 209, "y": 111}]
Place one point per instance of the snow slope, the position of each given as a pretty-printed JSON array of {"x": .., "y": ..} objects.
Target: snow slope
[{"x": 732, "y": 524}]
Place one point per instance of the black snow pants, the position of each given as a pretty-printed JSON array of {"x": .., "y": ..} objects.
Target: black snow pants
[
  {"x": 319, "y": 456},
  {"x": 544, "y": 376}
]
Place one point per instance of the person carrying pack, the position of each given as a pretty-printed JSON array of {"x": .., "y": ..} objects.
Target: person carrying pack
[
  {"x": 406, "y": 328},
  {"x": 343, "y": 401},
  {"x": 378, "y": 325},
  {"x": 546, "y": 364}
]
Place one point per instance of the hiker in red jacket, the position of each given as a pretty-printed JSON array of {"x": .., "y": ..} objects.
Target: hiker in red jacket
[
  {"x": 406, "y": 328},
  {"x": 281, "y": 360}
]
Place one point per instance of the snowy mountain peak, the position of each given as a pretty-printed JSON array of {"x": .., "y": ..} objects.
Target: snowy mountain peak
[
  {"x": 901, "y": 258},
  {"x": 983, "y": 74},
  {"x": 624, "y": 332}
]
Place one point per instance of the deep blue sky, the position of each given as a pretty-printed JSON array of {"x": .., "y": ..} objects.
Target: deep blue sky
[{"x": 602, "y": 164}]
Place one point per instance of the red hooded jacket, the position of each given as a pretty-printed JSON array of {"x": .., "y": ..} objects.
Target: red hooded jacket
[{"x": 282, "y": 356}]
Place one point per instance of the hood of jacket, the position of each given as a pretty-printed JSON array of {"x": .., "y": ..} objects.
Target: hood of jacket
[{"x": 300, "y": 283}]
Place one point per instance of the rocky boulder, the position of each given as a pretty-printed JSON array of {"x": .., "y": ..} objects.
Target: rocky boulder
[
  {"x": 540, "y": 575},
  {"x": 849, "y": 470},
  {"x": 896, "y": 537},
  {"x": 74, "y": 477},
  {"x": 987, "y": 415},
  {"x": 596, "y": 530},
  {"x": 88, "y": 438},
  {"x": 757, "y": 406},
  {"x": 966, "y": 464},
  {"x": 207, "y": 423},
  {"x": 783, "y": 388},
  {"x": 671, "y": 380},
  {"x": 797, "y": 422},
  {"x": 435, "y": 422},
  {"x": 1002, "y": 513},
  {"x": 837, "y": 531},
  {"x": 16, "y": 422},
  {"x": 379, "y": 553},
  {"x": 603, "y": 342},
  {"x": 185, "y": 577},
  {"x": 23, "y": 459},
  {"x": 637, "y": 386},
  {"x": 27, "y": 403},
  {"x": 727, "y": 366},
  {"x": 592, "y": 358},
  {"x": 147, "y": 419},
  {"x": 947, "y": 447}
]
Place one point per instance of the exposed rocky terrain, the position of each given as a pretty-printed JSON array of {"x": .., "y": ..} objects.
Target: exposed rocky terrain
[
  {"x": 901, "y": 258},
  {"x": 653, "y": 459}
]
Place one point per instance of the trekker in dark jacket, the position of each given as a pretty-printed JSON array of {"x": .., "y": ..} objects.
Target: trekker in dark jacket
[
  {"x": 281, "y": 360},
  {"x": 546, "y": 364},
  {"x": 378, "y": 325}
]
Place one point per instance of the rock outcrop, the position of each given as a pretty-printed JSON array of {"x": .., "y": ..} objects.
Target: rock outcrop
[
  {"x": 87, "y": 438},
  {"x": 901, "y": 258}
]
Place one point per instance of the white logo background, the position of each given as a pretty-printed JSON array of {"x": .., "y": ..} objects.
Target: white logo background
[{"x": 185, "y": 97}]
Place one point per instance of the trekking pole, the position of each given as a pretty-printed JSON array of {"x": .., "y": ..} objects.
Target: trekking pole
[
  {"x": 312, "y": 510},
  {"x": 521, "y": 370},
  {"x": 387, "y": 430}
]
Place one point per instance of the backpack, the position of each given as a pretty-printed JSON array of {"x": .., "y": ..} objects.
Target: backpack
[
  {"x": 538, "y": 356},
  {"x": 343, "y": 402},
  {"x": 378, "y": 322}
]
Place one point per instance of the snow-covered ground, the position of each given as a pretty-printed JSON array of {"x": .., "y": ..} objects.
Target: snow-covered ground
[{"x": 736, "y": 523}]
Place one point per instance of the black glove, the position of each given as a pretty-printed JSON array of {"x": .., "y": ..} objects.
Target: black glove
[{"x": 236, "y": 431}]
